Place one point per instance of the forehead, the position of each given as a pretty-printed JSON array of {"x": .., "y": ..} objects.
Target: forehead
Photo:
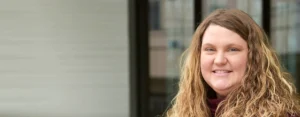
[{"x": 216, "y": 35}]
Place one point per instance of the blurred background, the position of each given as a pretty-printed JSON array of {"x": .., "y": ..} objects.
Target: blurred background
[{"x": 114, "y": 58}]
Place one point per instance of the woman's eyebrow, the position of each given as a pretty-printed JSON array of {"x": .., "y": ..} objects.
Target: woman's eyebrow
[
  {"x": 227, "y": 45},
  {"x": 207, "y": 44},
  {"x": 236, "y": 45}
]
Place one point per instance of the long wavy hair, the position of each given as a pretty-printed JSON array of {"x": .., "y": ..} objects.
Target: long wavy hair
[{"x": 266, "y": 89}]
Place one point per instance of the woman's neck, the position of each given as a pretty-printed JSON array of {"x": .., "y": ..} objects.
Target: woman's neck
[{"x": 220, "y": 96}]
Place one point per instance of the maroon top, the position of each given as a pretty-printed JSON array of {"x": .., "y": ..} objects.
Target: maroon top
[{"x": 213, "y": 104}]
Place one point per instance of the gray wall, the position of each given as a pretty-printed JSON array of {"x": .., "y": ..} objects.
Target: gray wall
[{"x": 64, "y": 58}]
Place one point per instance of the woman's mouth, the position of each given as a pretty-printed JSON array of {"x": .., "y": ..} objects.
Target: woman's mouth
[{"x": 221, "y": 72}]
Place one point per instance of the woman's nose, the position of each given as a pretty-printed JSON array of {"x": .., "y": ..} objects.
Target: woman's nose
[{"x": 220, "y": 59}]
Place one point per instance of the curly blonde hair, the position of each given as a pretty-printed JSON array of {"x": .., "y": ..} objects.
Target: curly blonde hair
[{"x": 266, "y": 89}]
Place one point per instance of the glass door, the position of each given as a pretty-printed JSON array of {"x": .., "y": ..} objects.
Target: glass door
[
  {"x": 285, "y": 33},
  {"x": 252, "y": 7},
  {"x": 171, "y": 29}
]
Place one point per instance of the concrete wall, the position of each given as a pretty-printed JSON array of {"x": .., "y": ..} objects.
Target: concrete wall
[{"x": 64, "y": 58}]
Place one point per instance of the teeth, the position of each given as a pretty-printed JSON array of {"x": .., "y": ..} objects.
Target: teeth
[{"x": 221, "y": 71}]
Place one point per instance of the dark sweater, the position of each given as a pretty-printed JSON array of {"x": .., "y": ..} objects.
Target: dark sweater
[{"x": 213, "y": 104}]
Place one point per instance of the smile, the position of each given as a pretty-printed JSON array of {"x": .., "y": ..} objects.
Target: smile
[{"x": 221, "y": 72}]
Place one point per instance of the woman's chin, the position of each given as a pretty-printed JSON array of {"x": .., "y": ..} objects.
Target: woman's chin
[
  {"x": 222, "y": 91},
  {"x": 221, "y": 86}
]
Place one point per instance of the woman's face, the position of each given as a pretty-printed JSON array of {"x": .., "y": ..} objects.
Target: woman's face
[{"x": 223, "y": 59}]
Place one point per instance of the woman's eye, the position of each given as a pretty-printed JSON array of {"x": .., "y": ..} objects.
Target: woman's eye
[
  {"x": 209, "y": 49},
  {"x": 233, "y": 49}
]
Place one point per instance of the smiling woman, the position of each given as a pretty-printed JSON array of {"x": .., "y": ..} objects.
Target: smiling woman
[
  {"x": 230, "y": 70},
  {"x": 223, "y": 59}
]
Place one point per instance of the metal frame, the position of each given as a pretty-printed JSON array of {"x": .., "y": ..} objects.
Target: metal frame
[
  {"x": 266, "y": 16},
  {"x": 197, "y": 13},
  {"x": 139, "y": 58}
]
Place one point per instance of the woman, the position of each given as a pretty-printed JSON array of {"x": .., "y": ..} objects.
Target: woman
[{"x": 231, "y": 70}]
